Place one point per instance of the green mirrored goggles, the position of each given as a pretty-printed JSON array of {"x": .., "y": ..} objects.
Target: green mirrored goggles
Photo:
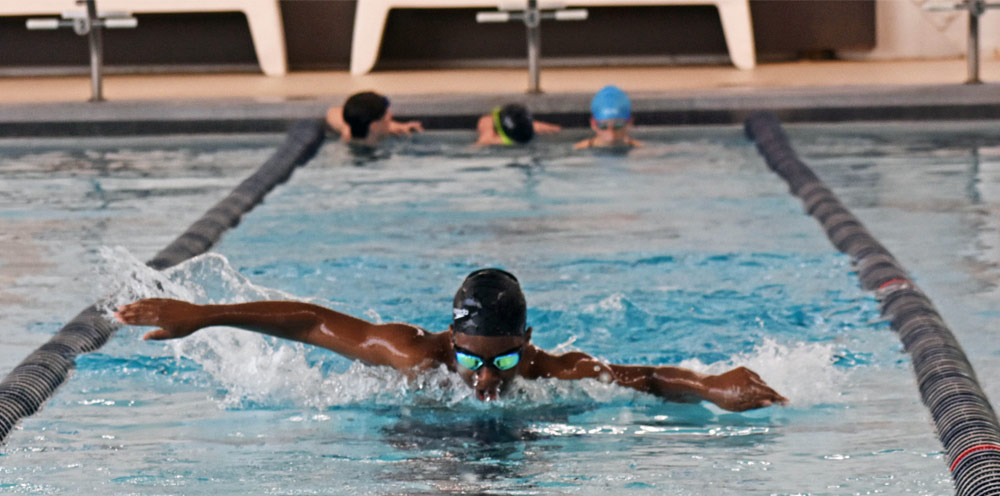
[{"x": 501, "y": 362}]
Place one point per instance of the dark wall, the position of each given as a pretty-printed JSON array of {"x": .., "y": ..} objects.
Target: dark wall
[
  {"x": 453, "y": 34},
  {"x": 161, "y": 39},
  {"x": 783, "y": 30},
  {"x": 318, "y": 33},
  {"x": 318, "y": 36},
  {"x": 801, "y": 28}
]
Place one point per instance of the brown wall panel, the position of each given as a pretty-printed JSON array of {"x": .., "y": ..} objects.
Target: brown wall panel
[
  {"x": 799, "y": 27},
  {"x": 318, "y": 33}
]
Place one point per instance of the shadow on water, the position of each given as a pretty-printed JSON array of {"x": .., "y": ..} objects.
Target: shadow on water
[
  {"x": 362, "y": 154},
  {"x": 459, "y": 452},
  {"x": 444, "y": 451}
]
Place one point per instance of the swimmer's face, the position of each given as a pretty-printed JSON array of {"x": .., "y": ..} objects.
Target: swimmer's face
[
  {"x": 488, "y": 364},
  {"x": 381, "y": 127},
  {"x": 613, "y": 130}
]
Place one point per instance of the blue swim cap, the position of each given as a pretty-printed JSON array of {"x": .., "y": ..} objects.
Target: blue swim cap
[{"x": 611, "y": 103}]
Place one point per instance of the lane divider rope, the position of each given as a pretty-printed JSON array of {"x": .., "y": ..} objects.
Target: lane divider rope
[
  {"x": 32, "y": 382},
  {"x": 966, "y": 423}
]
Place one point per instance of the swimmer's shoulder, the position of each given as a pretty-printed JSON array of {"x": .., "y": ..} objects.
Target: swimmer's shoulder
[{"x": 487, "y": 134}]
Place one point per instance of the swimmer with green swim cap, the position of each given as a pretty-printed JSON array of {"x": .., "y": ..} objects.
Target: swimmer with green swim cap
[
  {"x": 511, "y": 124},
  {"x": 488, "y": 344}
]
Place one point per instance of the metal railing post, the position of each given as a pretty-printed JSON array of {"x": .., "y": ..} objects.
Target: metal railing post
[
  {"x": 975, "y": 8},
  {"x": 532, "y": 18},
  {"x": 96, "y": 53},
  {"x": 89, "y": 23},
  {"x": 533, "y": 23}
]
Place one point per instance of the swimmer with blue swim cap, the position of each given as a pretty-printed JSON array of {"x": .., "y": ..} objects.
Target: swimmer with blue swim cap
[
  {"x": 488, "y": 344},
  {"x": 610, "y": 119},
  {"x": 511, "y": 124},
  {"x": 366, "y": 118}
]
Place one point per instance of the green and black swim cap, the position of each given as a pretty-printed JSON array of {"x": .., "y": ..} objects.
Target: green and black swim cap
[
  {"x": 514, "y": 124},
  {"x": 490, "y": 303},
  {"x": 362, "y": 109}
]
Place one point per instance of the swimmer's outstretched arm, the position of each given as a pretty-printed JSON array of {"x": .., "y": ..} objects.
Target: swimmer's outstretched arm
[
  {"x": 545, "y": 127},
  {"x": 405, "y": 127},
  {"x": 736, "y": 390},
  {"x": 400, "y": 346}
]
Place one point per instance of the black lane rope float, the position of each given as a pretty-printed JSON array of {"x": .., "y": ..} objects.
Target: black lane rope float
[
  {"x": 29, "y": 385},
  {"x": 966, "y": 423}
]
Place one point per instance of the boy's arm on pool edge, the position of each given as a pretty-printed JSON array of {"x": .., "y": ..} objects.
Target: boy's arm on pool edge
[
  {"x": 736, "y": 390},
  {"x": 401, "y": 346}
]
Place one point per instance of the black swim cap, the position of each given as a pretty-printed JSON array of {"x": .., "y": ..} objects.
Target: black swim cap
[
  {"x": 513, "y": 122},
  {"x": 490, "y": 303},
  {"x": 362, "y": 109}
]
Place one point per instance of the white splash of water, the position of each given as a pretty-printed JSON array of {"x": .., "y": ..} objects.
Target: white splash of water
[
  {"x": 612, "y": 303},
  {"x": 802, "y": 372},
  {"x": 545, "y": 391},
  {"x": 122, "y": 278},
  {"x": 209, "y": 278}
]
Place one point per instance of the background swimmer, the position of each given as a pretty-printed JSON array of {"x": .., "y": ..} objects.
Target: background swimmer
[
  {"x": 610, "y": 119},
  {"x": 509, "y": 124},
  {"x": 366, "y": 118},
  {"x": 487, "y": 344}
]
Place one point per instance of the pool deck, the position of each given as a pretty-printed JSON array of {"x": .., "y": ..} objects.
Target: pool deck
[{"x": 805, "y": 91}]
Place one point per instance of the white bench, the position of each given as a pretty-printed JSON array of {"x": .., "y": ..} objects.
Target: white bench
[
  {"x": 263, "y": 16},
  {"x": 370, "y": 16}
]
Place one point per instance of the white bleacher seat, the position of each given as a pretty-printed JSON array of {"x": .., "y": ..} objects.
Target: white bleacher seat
[
  {"x": 370, "y": 16},
  {"x": 263, "y": 16}
]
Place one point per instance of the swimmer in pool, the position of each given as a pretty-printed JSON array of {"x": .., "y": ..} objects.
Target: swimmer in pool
[
  {"x": 366, "y": 118},
  {"x": 610, "y": 119},
  {"x": 511, "y": 124},
  {"x": 487, "y": 344}
]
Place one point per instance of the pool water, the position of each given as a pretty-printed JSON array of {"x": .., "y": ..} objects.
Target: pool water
[{"x": 687, "y": 252}]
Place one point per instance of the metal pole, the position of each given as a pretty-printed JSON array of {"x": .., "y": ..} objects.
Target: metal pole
[
  {"x": 976, "y": 8},
  {"x": 533, "y": 21},
  {"x": 96, "y": 53}
]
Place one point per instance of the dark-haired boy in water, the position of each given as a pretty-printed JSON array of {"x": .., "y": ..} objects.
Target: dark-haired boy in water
[
  {"x": 487, "y": 344},
  {"x": 366, "y": 118}
]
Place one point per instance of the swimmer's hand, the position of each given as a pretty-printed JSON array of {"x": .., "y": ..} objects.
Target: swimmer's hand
[
  {"x": 741, "y": 389},
  {"x": 176, "y": 319},
  {"x": 545, "y": 127},
  {"x": 406, "y": 128}
]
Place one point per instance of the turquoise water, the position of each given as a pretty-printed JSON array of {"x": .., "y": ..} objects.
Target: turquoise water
[{"x": 687, "y": 252}]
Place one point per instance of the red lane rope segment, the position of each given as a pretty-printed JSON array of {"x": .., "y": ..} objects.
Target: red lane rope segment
[
  {"x": 980, "y": 447},
  {"x": 892, "y": 282}
]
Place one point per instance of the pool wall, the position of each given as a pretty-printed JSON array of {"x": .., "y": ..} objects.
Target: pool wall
[
  {"x": 966, "y": 423},
  {"x": 461, "y": 111},
  {"x": 29, "y": 385}
]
